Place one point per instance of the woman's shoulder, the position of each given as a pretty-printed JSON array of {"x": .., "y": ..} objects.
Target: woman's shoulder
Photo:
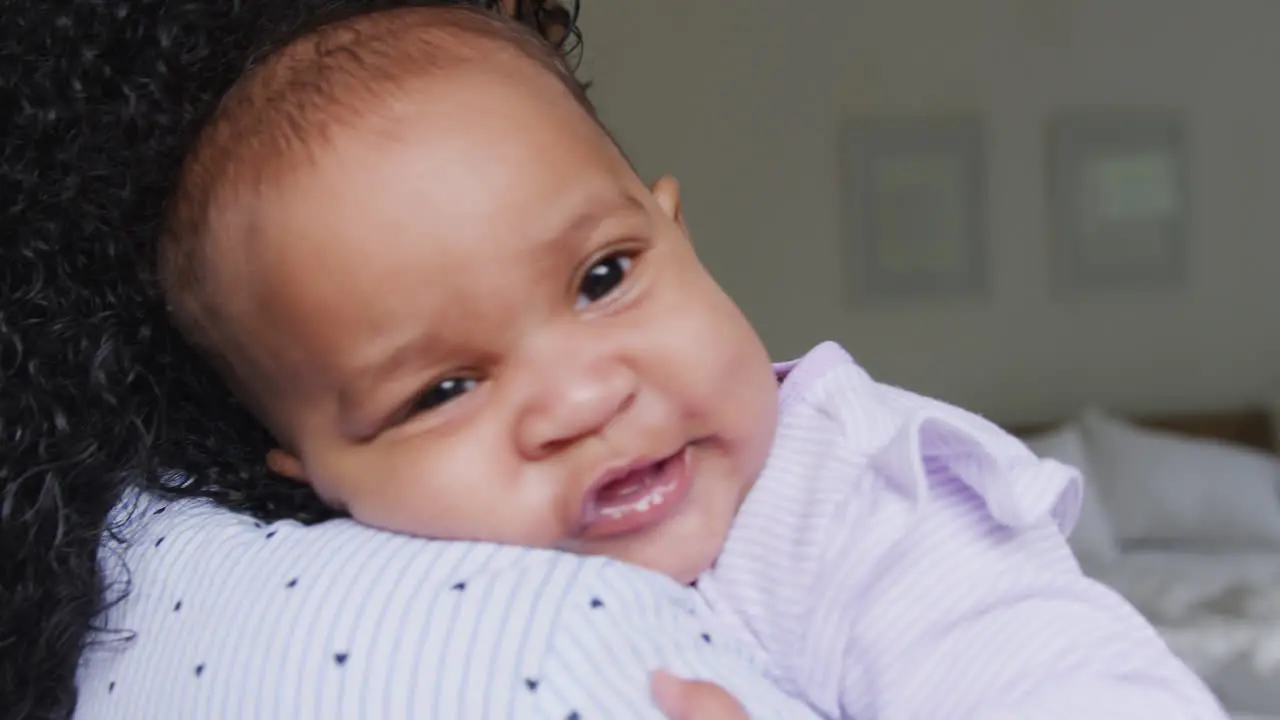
[{"x": 220, "y": 615}]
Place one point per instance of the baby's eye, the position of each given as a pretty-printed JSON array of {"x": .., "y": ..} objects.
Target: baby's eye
[
  {"x": 441, "y": 393},
  {"x": 602, "y": 278}
]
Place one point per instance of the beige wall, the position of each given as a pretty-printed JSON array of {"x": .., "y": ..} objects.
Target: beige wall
[{"x": 741, "y": 100}]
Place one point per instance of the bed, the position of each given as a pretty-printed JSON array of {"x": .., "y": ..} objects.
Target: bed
[
  {"x": 1182, "y": 518},
  {"x": 1251, "y": 427}
]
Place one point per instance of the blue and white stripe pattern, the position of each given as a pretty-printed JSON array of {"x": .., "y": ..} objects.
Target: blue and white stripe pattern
[{"x": 231, "y": 619}]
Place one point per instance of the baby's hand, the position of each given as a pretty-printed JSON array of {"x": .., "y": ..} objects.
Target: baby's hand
[{"x": 693, "y": 700}]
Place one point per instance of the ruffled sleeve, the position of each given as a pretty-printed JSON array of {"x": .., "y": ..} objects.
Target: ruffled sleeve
[{"x": 1018, "y": 489}]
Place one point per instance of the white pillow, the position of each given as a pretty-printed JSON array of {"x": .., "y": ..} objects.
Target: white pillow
[
  {"x": 1163, "y": 487},
  {"x": 1275, "y": 424},
  {"x": 1092, "y": 540}
]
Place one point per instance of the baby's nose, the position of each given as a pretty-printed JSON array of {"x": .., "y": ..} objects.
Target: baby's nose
[{"x": 573, "y": 402}]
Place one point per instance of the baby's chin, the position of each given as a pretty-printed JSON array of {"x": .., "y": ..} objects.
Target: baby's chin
[
  {"x": 687, "y": 571},
  {"x": 677, "y": 556},
  {"x": 689, "y": 544}
]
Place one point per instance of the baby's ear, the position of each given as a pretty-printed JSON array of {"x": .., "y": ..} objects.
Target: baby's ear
[
  {"x": 286, "y": 464},
  {"x": 667, "y": 192}
]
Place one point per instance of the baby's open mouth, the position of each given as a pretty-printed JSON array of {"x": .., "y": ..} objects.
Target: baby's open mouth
[{"x": 636, "y": 497}]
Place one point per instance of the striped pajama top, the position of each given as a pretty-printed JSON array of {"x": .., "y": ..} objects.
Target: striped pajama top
[{"x": 898, "y": 559}]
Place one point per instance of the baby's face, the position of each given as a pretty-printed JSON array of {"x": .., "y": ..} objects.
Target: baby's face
[{"x": 479, "y": 324}]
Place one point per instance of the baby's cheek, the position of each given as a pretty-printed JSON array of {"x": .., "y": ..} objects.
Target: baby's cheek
[
  {"x": 388, "y": 485},
  {"x": 471, "y": 487}
]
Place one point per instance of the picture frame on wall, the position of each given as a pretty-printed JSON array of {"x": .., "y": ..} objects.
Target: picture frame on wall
[
  {"x": 914, "y": 207},
  {"x": 1119, "y": 199}
]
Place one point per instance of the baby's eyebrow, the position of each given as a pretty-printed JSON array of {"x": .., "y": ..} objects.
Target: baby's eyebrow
[
  {"x": 352, "y": 409},
  {"x": 591, "y": 214}
]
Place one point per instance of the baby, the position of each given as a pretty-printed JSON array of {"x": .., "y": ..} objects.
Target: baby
[{"x": 411, "y": 248}]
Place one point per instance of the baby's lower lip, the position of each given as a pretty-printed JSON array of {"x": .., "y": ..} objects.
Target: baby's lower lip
[{"x": 665, "y": 486}]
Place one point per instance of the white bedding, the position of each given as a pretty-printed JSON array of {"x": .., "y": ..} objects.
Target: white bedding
[{"x": 1219, "y": 611}]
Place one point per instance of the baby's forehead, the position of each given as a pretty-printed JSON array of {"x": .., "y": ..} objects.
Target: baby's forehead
[{"x": 348, "y": 76}]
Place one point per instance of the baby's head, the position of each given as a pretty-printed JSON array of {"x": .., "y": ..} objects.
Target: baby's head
[{"x": 411, "y": 248}]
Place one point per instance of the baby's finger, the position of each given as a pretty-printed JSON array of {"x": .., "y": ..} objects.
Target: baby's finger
[{"x": 694, "y": 700}]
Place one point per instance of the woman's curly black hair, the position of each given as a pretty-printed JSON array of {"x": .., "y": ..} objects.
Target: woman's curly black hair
[{"x": 99, "y": 102}]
